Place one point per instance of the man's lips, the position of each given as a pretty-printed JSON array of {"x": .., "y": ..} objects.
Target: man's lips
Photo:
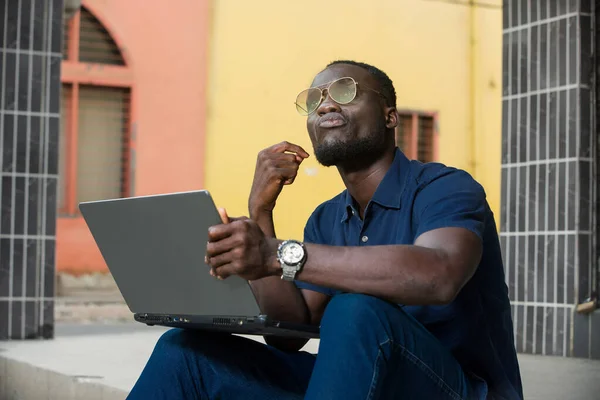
[{"x": 331, "y": 121}]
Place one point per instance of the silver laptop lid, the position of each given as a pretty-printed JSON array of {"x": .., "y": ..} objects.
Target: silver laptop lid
[{"x": 154, "y": 246}]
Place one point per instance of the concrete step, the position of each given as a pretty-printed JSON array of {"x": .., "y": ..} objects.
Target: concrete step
[
  {"x": 88, "y": 299},
  {"x": 92, "y": 307},
  {"x": 69, "y": 285},
  {"x": 91, "y": 312},
  {"x": 104, "y": 361}
]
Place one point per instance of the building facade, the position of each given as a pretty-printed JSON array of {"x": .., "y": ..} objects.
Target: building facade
[
  {"x": 190, "y": 104},
  {"x": 133, "y": 111},
  {"x": 135, "y": 100}
]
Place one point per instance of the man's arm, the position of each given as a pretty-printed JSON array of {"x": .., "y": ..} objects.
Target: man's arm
[
  {"x": 430, "y": 272},
  {"x": 276, "y": 167},
  {"x": 282, "y": 299}
]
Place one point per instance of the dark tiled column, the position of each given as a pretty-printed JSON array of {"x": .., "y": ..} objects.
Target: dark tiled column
[
  {"x": 587, "y": 327},
  {"x": 30, "y": 56},
  {"x": 547, "y": 170}
]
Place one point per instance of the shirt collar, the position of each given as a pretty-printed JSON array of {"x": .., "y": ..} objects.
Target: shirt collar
[{"x": 389, "y": 192}]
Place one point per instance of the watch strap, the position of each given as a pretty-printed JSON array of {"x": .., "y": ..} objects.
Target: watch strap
[{"x": 288, "y": 273}]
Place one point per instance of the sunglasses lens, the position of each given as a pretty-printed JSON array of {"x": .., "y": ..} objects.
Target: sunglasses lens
[
  {"x": 308, "y": 101},
  {"x": 343, "y": 90}
]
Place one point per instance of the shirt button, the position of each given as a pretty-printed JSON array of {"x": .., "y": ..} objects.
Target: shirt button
[{"x": 364, "y": 239}]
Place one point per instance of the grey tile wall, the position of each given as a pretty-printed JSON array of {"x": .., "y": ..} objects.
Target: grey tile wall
[
  {"x": 594, "y": 333},
  {"x": 30, "y": 56},
  {"x": 548, "y": 153}
]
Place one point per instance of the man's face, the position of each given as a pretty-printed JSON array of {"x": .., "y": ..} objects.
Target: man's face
[{"x": 350, "y": 134}]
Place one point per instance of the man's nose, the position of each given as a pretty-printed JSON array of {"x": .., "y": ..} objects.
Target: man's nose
[{"x": 327, "y": 106}]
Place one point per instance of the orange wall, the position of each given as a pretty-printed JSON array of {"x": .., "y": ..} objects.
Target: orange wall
[{"x": 166, "y": 46}]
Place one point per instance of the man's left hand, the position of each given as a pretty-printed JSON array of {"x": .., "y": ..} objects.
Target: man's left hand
[{"x": 239, "y": 247}]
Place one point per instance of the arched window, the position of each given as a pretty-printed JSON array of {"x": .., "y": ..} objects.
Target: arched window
[{"x": 94, "y": 156}]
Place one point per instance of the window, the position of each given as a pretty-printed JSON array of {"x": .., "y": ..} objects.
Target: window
[
  {"x": 416, "y": 135},
  {"x": 94, "y": 158}
]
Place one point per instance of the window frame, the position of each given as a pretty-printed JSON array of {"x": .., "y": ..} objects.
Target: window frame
[
  {"x": 76, "y": 73},
  {"x": 412, "y": 135}
]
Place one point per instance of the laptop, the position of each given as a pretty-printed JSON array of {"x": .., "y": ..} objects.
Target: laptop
[{"x": 154, "y": 247}]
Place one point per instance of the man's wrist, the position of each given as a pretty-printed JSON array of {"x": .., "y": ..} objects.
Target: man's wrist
[
  {"x": 273, "y": 264},
  {"x": 257, "y": 213}
]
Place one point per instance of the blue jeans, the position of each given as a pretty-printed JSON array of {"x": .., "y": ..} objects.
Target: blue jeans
[{"x": 369, "y": 349}]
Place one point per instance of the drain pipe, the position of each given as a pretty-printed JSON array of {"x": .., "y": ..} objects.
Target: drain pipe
[
  {"x": 472, "y": 87},
  {"x": 592, "y": 302}
]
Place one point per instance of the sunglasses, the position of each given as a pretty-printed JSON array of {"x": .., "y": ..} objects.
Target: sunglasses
[{"x": 342, "y": 91}]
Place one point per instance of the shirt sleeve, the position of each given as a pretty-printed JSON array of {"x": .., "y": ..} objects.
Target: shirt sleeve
[
  {"x": 311, "y": 236},
  {"x": 453, "y": 199}
]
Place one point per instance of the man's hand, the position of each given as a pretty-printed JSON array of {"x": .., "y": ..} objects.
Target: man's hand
[
  {"x": 276, "y": 166},
  {"x": 239, "y": 247}
]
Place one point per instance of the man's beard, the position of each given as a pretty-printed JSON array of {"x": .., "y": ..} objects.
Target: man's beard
[{"x": 353, "y": 154}]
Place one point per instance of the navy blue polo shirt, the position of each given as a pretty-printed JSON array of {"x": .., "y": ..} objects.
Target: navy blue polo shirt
[{"x": 414, "y": 198}]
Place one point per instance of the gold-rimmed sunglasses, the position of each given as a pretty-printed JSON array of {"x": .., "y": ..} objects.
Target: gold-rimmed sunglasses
[{"x": 342, "y": 91}]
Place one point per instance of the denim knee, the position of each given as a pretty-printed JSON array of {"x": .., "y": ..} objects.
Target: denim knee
[
  {"x": 353, "y": 306},
  {"x": 170, "y": 341},
  {"x": 356, "y": 317}
]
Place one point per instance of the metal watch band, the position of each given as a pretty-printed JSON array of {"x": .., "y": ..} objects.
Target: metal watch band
[{"x": 288, "y": 273}]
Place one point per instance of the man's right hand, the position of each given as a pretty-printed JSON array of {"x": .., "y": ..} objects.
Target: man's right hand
[{"x": 276, "y": 166}]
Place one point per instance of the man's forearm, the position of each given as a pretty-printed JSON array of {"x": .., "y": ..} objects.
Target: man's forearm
[
  {"x": 280, "y": 300},
  {"x": 400, "y": 274},
  {"x": 264, "y": 219},
  {"x": 432, "y": 271},
  {"x": 277, "y": 298}
]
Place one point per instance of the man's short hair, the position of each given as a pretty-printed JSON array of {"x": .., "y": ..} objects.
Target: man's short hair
[{"x": 387, "y": 87}]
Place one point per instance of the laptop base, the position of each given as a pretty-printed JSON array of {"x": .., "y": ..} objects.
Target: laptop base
[{"x": 259, "y": 325}]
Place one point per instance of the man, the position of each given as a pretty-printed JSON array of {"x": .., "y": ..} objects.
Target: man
[{"x": 402, "y": 271}]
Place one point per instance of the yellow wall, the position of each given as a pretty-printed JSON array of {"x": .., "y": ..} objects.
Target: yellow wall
[{"x": 262, "y": 56}]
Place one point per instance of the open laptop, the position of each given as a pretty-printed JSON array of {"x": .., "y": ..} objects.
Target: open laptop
[{"x": 154, "y": 247}]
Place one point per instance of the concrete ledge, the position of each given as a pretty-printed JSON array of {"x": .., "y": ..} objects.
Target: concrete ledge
[
  {"x": 102, "y": 362},
  {"x": 24, "y": 381},
  {"x": 96, "y": 366}
]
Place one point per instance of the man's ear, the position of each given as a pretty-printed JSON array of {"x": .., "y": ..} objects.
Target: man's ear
[{"x": 391, "y": 119}]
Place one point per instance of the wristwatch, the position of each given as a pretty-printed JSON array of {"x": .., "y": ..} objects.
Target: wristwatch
[{"x": 291, "y": 254}]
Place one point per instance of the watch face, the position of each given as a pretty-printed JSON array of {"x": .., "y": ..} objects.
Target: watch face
[{"x": 292, "y": 253}]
